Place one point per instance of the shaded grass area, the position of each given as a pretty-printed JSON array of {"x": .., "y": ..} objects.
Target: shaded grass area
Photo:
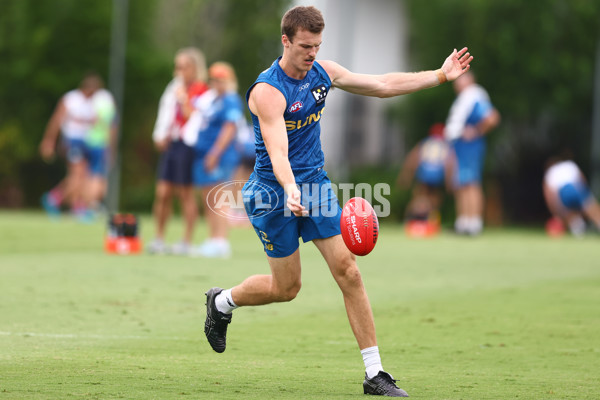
[{"x": 511, "y": 314}]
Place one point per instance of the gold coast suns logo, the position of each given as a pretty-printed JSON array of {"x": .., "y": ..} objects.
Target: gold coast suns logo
[
  {"x": 319, "y": 93},
  {"x": 312, "y": 118}
]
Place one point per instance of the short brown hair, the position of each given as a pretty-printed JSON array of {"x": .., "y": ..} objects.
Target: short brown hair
[{"x": 300, "y": 17}]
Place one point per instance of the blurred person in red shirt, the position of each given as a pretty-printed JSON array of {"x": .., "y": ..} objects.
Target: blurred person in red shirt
[{"x": 175, "y": 165}]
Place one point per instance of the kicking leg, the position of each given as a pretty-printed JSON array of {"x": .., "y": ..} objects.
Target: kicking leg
[
  {"x": 282, "y": 285},
  {"x": 342, "y": 265}
]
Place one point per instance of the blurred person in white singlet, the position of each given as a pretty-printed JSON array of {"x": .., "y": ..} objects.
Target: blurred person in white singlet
[
  {"x": 74, "y": 117},
  {"x": 568, "y": 196}
]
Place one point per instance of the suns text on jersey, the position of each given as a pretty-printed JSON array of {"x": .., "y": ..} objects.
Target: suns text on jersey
[{"x": 312, "y": 118}]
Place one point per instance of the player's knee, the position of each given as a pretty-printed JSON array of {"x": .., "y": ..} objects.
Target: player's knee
[
  {"x": 348, "y": 273},
  {"x": 288, "y": 293},
  {"x": 163, "y": 192},
  {"x": 352, "y": 276}
]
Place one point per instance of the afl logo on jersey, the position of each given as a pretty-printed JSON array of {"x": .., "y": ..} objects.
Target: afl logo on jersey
[
  {"x": 319, "y": 93},
  {"x": 297, "y": 106}
]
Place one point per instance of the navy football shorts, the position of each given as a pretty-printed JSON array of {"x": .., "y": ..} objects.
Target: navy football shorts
[
  {"x": 277, "y": 228},
  {"x": 175, "y": 164}
]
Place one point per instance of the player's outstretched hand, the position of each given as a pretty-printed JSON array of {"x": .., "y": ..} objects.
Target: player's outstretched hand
[{"x": 457, "y": 63}]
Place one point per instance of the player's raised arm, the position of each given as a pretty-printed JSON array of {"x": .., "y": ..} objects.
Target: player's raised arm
[
  {"x": 398, "y": 83},
  {"x": 268, "y": 104}
]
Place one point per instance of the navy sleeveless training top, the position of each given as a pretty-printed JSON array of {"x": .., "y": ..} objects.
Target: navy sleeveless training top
[{"x": 305, "y": 103}]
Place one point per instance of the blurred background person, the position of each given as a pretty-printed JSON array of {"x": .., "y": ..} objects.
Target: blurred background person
[
  {"x": 245, "y": 146},
  {"x": 217, "y": 155},
  {"x": 74, "y": 117},
  {"x": 568, "y": 197},
  {"x": 430, "y": 165},
  {"x": 100, "y": 148},
  {"x": 175, "y": 165},
  {"x": 471, "y": 117}
]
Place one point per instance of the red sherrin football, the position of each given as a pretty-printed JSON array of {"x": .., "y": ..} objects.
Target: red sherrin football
[{"x": 359, "y": 226}]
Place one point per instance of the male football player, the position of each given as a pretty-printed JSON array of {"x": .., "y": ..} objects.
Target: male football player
[{"x": 286, "y": 103}]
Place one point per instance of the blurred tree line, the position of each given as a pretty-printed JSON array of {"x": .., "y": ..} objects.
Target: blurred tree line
[
  {"x": 47, "y": 46},
  {"x": 535, "y": 58}
]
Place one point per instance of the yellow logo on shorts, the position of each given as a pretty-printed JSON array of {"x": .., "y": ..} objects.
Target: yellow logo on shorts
[{"x": 266, "y": 242}]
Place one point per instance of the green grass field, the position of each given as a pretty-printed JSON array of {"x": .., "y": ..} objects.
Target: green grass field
[{"x": 510, "y": 315}]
